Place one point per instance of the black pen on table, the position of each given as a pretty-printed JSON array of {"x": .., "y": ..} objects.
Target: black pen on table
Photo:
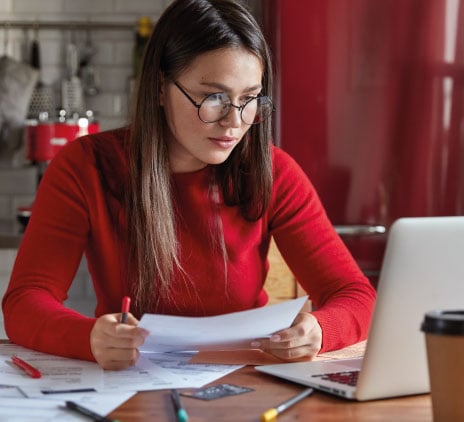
[
  {"x": 125, "y": 308},
  {"x": 181, "y": 413},
  {"x": 270, "y": 415},
  {"x": 87, "y": 412}
]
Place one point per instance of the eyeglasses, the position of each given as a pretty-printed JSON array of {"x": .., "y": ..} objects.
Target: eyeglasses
[{"x": 215, "y": 107}]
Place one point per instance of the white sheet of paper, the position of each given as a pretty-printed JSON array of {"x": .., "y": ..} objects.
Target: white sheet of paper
[
  {"x": 228, "y": 331},
  {"x": 52, "y": 408},
  {"x": 188, "y": 375},
  {"x": 145, "y": 375},
  {"x": 57, "y": 372},
  {"x": 33, "y": 410},
  {"x": 153, "y": 371}
]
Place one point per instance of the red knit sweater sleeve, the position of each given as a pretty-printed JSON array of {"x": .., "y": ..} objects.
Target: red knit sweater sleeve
[
  {"x": 48, "y": 257},
  {"x": 342, "y": 296}
]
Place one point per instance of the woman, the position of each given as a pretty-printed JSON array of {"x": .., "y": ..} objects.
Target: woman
[{"x": 178, "y": 209}]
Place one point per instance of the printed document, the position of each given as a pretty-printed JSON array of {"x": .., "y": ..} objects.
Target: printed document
[{"x": 229, "y": 331}]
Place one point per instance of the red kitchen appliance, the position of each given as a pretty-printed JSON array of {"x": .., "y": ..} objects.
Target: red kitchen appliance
[{"x": 43, "y": 138}]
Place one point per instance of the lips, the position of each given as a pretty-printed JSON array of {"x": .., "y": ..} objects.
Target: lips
[{"x": 224, "y": 141}]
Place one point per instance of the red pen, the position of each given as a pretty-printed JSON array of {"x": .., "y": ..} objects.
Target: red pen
[
  {"x": 125, "y": 308},
  {"x": 30, "y": 370}
]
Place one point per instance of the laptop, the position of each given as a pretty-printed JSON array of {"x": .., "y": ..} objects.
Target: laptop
[{"x": 422, "y": 270}]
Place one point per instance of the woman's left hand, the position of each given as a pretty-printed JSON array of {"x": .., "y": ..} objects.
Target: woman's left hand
[{"x": 302, "y": 340}]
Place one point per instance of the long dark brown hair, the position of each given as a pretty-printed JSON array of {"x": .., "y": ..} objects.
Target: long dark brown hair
[{"x": 185, "y": 30}]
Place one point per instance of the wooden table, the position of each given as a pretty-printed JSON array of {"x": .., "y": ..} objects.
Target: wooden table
[{"x": 269, "y": 392}]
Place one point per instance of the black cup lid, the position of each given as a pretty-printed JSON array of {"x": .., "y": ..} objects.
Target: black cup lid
[{"x": 444, "y": 322}]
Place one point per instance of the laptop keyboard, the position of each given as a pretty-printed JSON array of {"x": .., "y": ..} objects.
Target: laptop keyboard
[{"x": 346, "y": 377}]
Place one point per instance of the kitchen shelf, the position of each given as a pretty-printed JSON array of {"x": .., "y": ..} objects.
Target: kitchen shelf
[{"x": 77, "y": 25}]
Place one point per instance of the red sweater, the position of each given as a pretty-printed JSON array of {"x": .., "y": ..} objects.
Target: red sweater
[{"x": 79, "y": 209}]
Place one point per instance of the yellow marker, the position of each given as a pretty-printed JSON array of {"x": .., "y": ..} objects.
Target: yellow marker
[{"x": 271, "y": 414}]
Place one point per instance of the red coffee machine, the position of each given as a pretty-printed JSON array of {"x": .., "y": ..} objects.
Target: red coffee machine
[{"x": 44, "y": 137}]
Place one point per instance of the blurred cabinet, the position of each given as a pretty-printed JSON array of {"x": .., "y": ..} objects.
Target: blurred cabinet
[{"x": 280, "y": 282}]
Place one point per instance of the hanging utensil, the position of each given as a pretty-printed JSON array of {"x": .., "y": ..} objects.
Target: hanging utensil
[
  {"x": 17, "y": 81},
  {"x": 89, "y": 74},
  {"x": 43, "y": 98},
  {"x": 72, "y": 93}
]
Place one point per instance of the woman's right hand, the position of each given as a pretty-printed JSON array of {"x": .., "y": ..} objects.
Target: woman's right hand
[{"x": 115, "y": 345}]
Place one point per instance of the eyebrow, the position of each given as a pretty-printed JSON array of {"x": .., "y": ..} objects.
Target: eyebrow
[{"x": 222, "y": 87}]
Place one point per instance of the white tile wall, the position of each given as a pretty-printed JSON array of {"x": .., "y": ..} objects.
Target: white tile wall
[
  {"x": 95, "y": 6},
  {"x": 17, "y": 187}
]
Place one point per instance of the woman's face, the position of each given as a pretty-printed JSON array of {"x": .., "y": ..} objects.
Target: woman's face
[{"x": 194, "y": 144}]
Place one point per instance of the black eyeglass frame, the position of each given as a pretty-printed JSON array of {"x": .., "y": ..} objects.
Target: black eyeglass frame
[{"x": 239, "y": 108}]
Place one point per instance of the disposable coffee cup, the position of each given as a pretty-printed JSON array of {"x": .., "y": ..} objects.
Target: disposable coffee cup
[{"x": 444, "y": 336}]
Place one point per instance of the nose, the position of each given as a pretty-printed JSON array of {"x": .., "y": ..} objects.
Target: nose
[{"x": 233, "y": 118}]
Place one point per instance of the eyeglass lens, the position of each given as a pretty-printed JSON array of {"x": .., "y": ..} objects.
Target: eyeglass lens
[{"x": 216, "y": 106}]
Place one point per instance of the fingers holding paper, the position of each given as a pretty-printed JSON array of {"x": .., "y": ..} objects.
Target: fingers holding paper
[
  {"x": 302, "y": 340},
  {"x": 115, "y": 345}
]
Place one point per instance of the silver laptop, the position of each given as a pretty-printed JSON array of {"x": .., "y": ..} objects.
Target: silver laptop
[{"x": 422, "y": 269}]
